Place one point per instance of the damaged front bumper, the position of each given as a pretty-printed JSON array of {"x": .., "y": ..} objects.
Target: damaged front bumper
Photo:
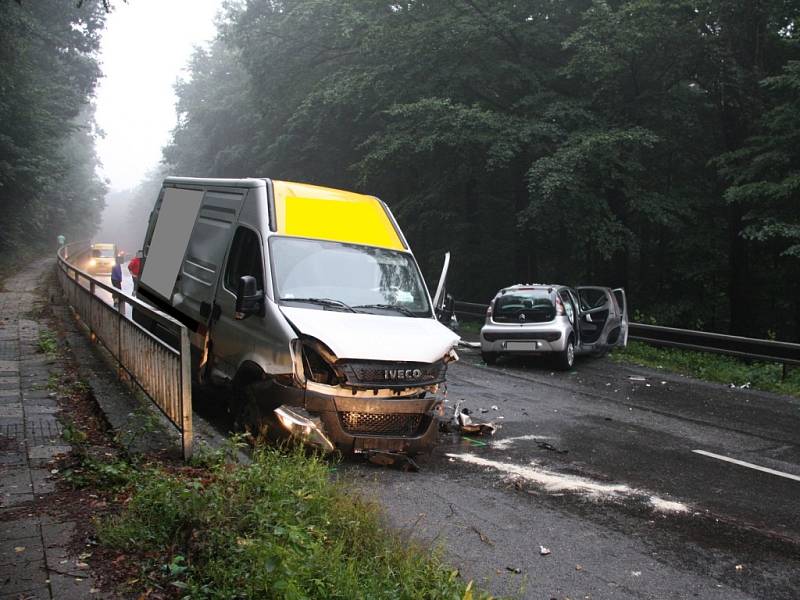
[{"x": 358, "y": 421}]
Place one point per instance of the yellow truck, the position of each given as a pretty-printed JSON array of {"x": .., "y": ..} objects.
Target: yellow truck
[{"x": 102, "y": 258}]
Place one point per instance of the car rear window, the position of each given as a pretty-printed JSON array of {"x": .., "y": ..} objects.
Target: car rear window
[
  {"x": 103, "y": 253},
  {"x": 531, "y": 306}
]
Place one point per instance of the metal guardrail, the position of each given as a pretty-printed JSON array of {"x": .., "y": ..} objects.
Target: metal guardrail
[
  {"x": 719, "y": 343},
  {"x": 161, "y": 372},
  {"x": 704, "y": 341}
]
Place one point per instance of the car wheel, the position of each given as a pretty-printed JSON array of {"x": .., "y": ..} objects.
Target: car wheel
[
  {"x": 566, "y": 358},
  {"x": 489, "y": 357}
]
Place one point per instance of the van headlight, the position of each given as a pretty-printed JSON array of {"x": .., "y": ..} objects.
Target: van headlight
[{"x": 313, "y": 361}]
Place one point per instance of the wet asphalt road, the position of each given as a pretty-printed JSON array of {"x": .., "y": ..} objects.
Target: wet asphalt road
[
  {"x": 599, "y": 469},
  {"x": 597, "y": 466}
]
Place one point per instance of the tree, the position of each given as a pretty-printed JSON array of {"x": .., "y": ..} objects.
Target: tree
[{"x": 47, "y": 163}]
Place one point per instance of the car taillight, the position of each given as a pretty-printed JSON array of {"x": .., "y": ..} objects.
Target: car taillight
[{"x": 559, "y": 307}]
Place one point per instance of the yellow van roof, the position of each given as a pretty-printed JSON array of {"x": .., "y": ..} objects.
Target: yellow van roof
[{"x": 311, "y": 211}]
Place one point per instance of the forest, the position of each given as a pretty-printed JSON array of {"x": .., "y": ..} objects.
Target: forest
[
  {"x": 649, "y": 144},
  {"x": 49, "y": 183}
]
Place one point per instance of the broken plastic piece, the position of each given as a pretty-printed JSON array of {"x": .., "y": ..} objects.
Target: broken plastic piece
[
  {"x": 306, "y": 430},
  {"x": 479, "y": 428},
  {"x": 636, "y": 378},
  {"x": 394, "y": 459},
  {"x": 544, "y": 551},
  {"x": 514, "y": 570},
  {"x": 548, "y": 446}
]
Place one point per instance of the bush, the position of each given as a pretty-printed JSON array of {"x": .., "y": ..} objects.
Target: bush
[
  {"x": 713, "y": 367},
  {"x": 276, "y": 528}
]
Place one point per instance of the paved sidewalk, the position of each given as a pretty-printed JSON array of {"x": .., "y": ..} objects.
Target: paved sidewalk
[{"x": 34, "y": 562}]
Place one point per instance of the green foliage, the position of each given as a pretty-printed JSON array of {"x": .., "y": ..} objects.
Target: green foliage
[
  {"x": 47, "y": 343},
  {"x": 275, "y": 528},
  {"x": 713, "y": 367},
  {"x": 576, "y": 141},
  {"x": 48, "y": 182}
]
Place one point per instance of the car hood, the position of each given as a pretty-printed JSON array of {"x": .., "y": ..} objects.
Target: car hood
[{"x": 374, "y": 337}]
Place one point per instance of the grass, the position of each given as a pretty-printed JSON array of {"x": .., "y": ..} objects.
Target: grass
[
  {"x": 470, "y": 326},
  {"x": 275, "y": 528},
  {"x": 47, "y": 343},
  {"x": 712, "y": 367}
]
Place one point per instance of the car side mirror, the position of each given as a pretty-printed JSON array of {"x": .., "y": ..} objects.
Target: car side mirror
[{"x": 249, "y": 299}]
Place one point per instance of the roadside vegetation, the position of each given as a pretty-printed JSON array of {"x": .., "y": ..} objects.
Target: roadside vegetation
[
  {"x": 278, "y": 527},
  {"x": 712, "y": 367}
]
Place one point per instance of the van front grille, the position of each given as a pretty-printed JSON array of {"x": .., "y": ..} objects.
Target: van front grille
[{"x": 380, "y": 424}]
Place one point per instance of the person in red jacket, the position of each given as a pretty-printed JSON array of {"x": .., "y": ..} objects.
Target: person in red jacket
[{"x": 135, "y": 268}]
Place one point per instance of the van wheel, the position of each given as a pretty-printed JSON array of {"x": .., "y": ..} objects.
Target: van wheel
[
  {"x": 253, "y": 414},
  {"x": 489, "y": 357},
  {"x": 566, "y": 358}
]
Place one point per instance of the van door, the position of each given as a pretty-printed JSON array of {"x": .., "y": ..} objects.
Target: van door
[
  {"x": 232, "y": 338},
  {"x": 440, "y": 297},
  {"x": 202, "y": 264},
  {"x": 622, "y": 302},
  {"x": 166, "y": 248}
]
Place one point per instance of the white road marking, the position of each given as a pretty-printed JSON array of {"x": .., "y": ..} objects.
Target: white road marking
[
  {"x": 504, "y": 443},
  {"x": 559, "y": 482},
  {"x": 742, "y": 463}
]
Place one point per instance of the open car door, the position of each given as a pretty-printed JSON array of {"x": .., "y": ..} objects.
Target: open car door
[
  {"x": 622, "y": 301},
  {"x": 600, "y": 320},
  {"x": 440, "y": 298}
]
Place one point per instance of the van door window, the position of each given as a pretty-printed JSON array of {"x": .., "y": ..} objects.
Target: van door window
[{"x": 244, "y": 259}]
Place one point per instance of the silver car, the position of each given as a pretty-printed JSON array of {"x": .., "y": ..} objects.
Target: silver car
[{"x": 532, "y": 319}]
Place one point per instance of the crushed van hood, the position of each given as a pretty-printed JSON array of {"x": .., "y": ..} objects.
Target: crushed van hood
[{"x": 374, "y": 337}]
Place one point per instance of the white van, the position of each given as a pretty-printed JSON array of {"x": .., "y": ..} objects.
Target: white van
[{"x": 303, "y": 299}]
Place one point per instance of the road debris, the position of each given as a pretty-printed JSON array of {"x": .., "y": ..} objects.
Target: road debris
[
  {"x": 484, "y": 538},
  {"x": 463, "y": 423},
  {"x": 744, "y": 386},
  {"x": 740, "y": 568},
  {"x": 549, "y": 446},
  {"x": 514, "y": 570},
  {"x": 392, "y": 459},
  {"x": 544, "y": 551},
  {"x": 636, "y": 378}
]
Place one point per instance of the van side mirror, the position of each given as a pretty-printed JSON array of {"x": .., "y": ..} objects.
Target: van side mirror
[{"x": 248, "y": 298}]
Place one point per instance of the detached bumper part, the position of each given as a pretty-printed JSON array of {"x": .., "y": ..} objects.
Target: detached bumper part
[{"x": 304, "y": 429}]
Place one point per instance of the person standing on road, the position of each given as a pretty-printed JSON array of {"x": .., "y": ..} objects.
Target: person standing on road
[
  {"x": 116, "y": 274},
  {"x": 135, "y": 268}
]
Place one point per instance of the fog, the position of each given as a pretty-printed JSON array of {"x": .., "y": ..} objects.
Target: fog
[{"x": 144, "y": 50}]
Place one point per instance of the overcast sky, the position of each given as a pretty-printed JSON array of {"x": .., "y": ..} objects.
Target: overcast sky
[{"x": 146, "y": 45}]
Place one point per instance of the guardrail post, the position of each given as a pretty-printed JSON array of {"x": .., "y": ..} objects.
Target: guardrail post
[
  {"x": 92, "y": 334},
  {"x": 119, "y": 345},
  {"x": 186, "y": 395}
]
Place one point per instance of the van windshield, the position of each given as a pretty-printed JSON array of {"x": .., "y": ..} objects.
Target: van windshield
[{"x": 360, "y": 278}]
